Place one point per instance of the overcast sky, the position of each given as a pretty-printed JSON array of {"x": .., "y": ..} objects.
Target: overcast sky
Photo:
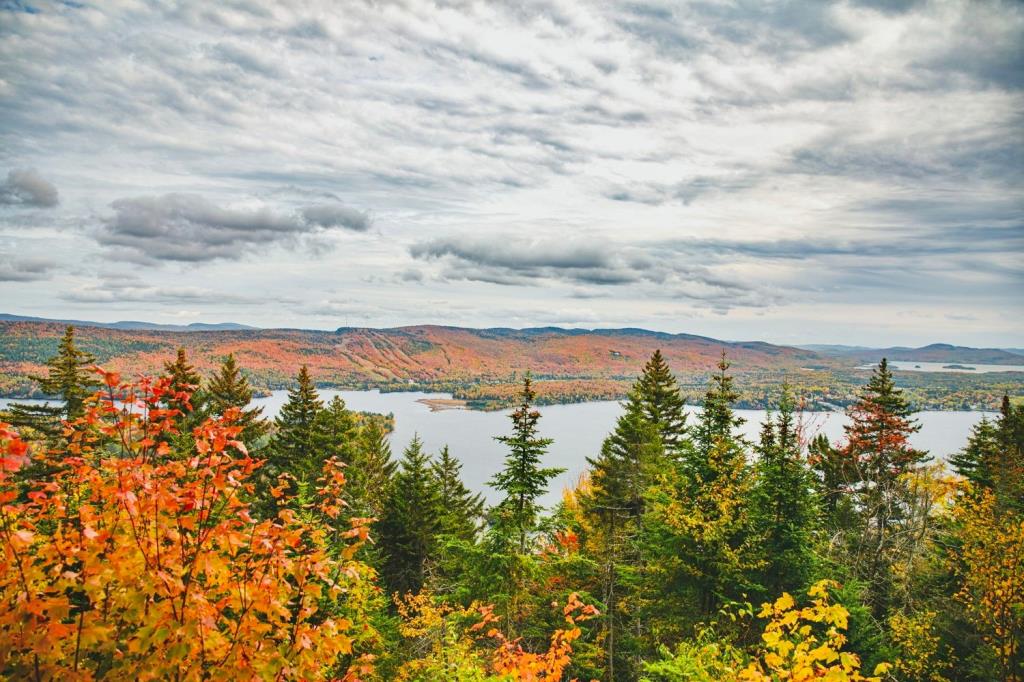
[{"x": 784, "y": 171}]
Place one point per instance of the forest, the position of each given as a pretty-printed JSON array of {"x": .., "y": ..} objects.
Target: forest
[{"x": 157, "y": 527}]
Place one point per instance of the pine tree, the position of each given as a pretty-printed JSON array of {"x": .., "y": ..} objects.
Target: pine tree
[
  {"x": 295, "y": 448},
  {"x": 229, "y": 388},
  {"x": 461, "y": 509},
  {"x": 69, "y": 379},
  {"x": 662, "y": 403},
  {"x": 784, "y": 509},
  {"x": 411, "y": 522},
  {"x": 522, "y": 479}
]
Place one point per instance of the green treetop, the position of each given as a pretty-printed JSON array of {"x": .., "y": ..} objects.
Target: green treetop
[
  {"x": 662, "y": 403},
  {"x": 70, "y": 379},
  {"x": 461, "y": 509},
  {"x": 411, "y": 521},
  {"x": 523, "y": 480},
  {"x": 295, "y": 446},
  {"x": 229, "y": 388}
]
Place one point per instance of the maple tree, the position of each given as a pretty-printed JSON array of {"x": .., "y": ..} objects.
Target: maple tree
[{"x": 129, "y": 564}]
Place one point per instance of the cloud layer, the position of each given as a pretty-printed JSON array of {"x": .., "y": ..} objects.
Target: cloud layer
[
  {"x": 846, "y": 171},
  {"x": 190, "y": 228}
]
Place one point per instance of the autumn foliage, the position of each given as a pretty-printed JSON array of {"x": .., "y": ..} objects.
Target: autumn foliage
[{"x": 129, "y": 561}]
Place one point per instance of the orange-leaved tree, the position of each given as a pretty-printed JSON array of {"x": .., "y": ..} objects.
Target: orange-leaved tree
[{"x": 132, "y": 561}]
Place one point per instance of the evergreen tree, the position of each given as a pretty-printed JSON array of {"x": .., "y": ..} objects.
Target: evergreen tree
[
  {"x": 698, "y": 526},
  {"x": 631, "y": 457},
  {"x": 993, "y": 458},
  {"x": 229, "y": 388},
  {"x": 522, "y": 479},
  {"x": 69, "y": 379},
  {"x": 185, "y": 380},
  {"x": 878, "y": 448},
  {"x": 784, "y": 510},
  {"x": 461, "y": 511},
  {"x": 718, "y": 421},
  {"x": 372, "y": 471},
  {"x": 338, "y": 431},
  {"x": 411, "y": 522},
  {"x": 662, "y": 403},
  {"x": 295, "y": 448}
]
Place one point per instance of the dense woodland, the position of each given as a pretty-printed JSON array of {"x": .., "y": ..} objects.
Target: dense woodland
[
  {"x": 484, "y": 367},
  {"x": 159, "y": 528}
]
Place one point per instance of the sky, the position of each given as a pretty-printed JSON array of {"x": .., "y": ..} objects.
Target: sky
[{"x": 794, "y": 172}]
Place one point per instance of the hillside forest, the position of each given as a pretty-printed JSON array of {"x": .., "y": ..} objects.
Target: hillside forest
[{"x": 157, "y": 527}]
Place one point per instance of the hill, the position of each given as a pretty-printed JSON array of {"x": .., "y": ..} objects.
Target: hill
[
  {"x": 133, "y": 324},
  {"x": 936, "y": 352},
  {"x": 483, "y": 366}
]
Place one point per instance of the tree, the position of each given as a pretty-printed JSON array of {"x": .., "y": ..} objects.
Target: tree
[
  {"x": 372, "y": 471},
  {"x": 784, "y": 510},
  {"x": 522, "y": 479},
  {"x": 990, "y": 566},
  {"x": 461, "y": 510},
  {"x": 70, "y": 379},
  {"x": 662, "y": 403},
  {"x": 698, "y": 522},
  {"x": 878, "y": 449},
  {"x": 295, "y": 446},
  {"x": 993, "y": 458},
  {"x": 338, "y": 430},
  {"x": 228, "y": 388},
  {"x": 129, "y": 564},
  {"x": 185, "y": 383},
  {"x": 631, "y": 457},
  {"x": 411, "y": 522}
]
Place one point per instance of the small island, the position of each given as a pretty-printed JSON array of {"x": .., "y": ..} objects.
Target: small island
[{"x": 965, "y": 368}]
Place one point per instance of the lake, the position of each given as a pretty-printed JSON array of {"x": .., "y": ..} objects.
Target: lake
[
  {"x": 577, "y": 430},
  {"x": 962, "y": 367}
]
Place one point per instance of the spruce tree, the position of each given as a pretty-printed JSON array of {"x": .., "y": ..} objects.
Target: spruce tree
[
  {"x": 411, "y": 522},
  {"x": 295, "y": 448},
  {"x": 631, "y": 458},
  {"x": 993, "y": 458},
  {"x": 662, "y": 403},
  {"x": 697, "y": 523},
  {"x": 229, "y": 388},
  {"x": 461, "y": 509},
  {"x": 372, "y": 471},
  {"x": 70, "y": 379},
  {"x": 784, "y": 509},
  {"x": 338, "y": 431},
  {"x": 522, "y": 479}
]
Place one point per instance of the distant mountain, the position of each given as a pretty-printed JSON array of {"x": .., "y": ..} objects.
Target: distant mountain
[
  {"x": 133, "y": 324},
  {"x": 833, "y": 348},
  {"x": 936, "y": 352},
  {"x": 1015, "y": 351},
  {"x": 424, "y": 353}
]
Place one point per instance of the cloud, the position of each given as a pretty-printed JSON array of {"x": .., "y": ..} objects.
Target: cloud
[
  {"x": 130, "y": 289},
  {"x": 337, "y": 215},
  {"x": 14, "y": 269},
  {"x": 190, "y": 228},
  {"x": 25, "y": 187},
  {"x": 513, "y": 261}
]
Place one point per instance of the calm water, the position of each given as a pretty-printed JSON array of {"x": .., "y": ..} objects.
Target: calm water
[
  {"x": 965, "y": 367},
  {"x": 577, "y": 430}
]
